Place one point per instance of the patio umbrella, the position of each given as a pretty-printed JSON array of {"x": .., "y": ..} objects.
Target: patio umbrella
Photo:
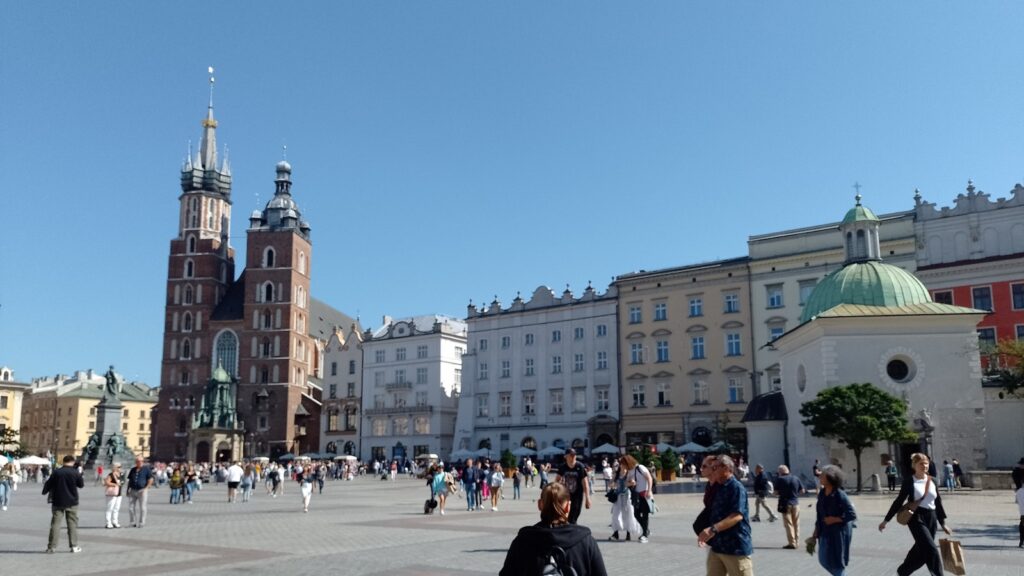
[
  {"x": 721, "y": 446},
  {"x": 665, "y": 447},
  {"x": 33, "y": 461},
  {"x": 552, "y": 451},
  {"x": 288, "y": 456},
  {"x": 691, "y": 448},
  {"x": 605, "y": 449},
  {"x": 524, "y": 451},
  {"x": 461, "y": 454},
  {"x": 484, "y": 452}
]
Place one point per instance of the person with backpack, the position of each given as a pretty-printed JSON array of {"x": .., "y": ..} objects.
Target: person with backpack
[
  {"x": 553, "y": 546},
  {"x": 762, "y": 489}
]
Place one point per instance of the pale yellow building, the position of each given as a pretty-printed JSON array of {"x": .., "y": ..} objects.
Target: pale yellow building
[
  {"x": 59, "y": 414},
  {"x": 686, "y": 353},
  {"x": 12, "y": 396}
]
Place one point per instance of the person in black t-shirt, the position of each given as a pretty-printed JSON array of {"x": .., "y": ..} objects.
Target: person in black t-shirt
[{"x": 574, "y": 476}]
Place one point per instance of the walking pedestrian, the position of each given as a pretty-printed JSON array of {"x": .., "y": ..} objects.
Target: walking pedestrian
[
  {"x": 176, "y": 483},
  {"x": 234, "y": 478},
  {"x": 191, "y": 482},
  {"x": 469, "y": 480},
  {"x": 554, "y": 540},
  {"x": 833, "y": 527},
  {"x": 891, "y": 474},
  {"x": 929, "y": 514},
  {"x": 728, "y": 534},
  {"x": 517, "y": 478},
  {"x": 248, "y": 481},
  {"x": 497, "y": 481},
  {"x": 62, "y": 487},
  {"x": 140, "y": 480},
  {"x": 789, "y": 489},
  {"x": 623, "y": 515},
  {"x": 574, "y": 476},
  {"x": 761, "y": 492},
  {"x": 304, "y": 476},
  {"x": 6, "y": 485},
  {"x": 1018, "y": 475},
  {"x": 113, "y": 488},
  {"x": 640, "y": 483},
  {"x": 438, "y": 486}
]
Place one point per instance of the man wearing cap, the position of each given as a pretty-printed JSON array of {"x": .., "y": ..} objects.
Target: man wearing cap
[{"x": 574, "y": 476}]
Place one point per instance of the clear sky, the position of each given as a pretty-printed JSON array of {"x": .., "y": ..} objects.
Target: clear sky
[{"x": 448, "y": 151}]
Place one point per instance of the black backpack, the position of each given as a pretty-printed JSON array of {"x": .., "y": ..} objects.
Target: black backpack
[{"x": 558, "y": 564}]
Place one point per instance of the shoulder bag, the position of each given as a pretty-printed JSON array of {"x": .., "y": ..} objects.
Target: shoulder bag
[{"x": 908, "y": 509}]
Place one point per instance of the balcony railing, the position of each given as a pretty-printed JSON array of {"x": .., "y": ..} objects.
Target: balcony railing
[
  {"x": 398, "y": 386},
  {"x": 399, "y": 410}
]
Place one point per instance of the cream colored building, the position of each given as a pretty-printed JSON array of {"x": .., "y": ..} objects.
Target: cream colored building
[
  {"x": 786, "y": 266},
  {"x": 686, "y": 355},
  {"x": 11, "y": 398},
  {"x": 59, "y": 414}
]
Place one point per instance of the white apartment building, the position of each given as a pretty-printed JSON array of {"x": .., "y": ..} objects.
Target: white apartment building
[
  {"x": 342, "y": 381},
  {"x": 541, "y": 373},
  {"x": 786, "y": 266},
  {"x": 412, "y": 371}
]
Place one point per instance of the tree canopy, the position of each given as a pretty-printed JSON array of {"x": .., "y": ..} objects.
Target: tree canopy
[
  {"x": 857, "y": 415},
  {"x": 1006, "y": 363}
]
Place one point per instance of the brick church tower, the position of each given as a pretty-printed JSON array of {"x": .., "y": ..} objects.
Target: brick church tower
[{"x": 256, "y": 327}]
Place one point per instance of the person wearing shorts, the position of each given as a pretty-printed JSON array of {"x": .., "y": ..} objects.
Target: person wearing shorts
[{"x": 234, "y": 478}]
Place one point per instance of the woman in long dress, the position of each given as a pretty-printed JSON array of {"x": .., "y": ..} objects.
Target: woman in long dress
[
  {"x": 304, "y": 477},
  {"x": 622, "y": 510},
  {"x": 833, "y": 528}
]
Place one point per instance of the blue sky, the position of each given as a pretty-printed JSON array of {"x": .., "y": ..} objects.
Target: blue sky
[{"x": 448, "y": 151}]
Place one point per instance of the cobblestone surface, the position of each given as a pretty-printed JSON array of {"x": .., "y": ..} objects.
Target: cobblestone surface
[{"x": 377, "y": 528}]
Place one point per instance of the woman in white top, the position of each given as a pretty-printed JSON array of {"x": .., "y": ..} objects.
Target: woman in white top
[
  {"x": 640, "y": 483},
  {"x": 921, "y": 488},
  {"x": 622, "y": 510}
]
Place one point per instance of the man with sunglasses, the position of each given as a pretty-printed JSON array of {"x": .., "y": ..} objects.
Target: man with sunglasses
[{"x": 728, "y": 534}]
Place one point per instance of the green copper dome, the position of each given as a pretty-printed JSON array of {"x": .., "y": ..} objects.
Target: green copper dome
[
  {"x": 859, "y": 214},
  {"x": 869, "y": 283},
  {"x": 221, "y": 375}
]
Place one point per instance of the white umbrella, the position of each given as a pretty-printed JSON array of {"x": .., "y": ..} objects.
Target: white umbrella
[
  {"x": 345, "y": 457},
  {"x": 605, "y": 449},
  {"x": 461, "y": 454},
  {"x": 691, "y": 447},
  {"x": 552, "y": 451},
  {"x": 33, "y": 461},
  {"x": 524, "y": 451}
]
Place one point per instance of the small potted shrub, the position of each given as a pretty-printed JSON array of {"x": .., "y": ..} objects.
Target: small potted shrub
[{"x": 669, "y": 465}]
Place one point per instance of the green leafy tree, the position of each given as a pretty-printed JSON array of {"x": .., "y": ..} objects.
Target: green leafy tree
[
  {"x": 644, "y": 456},
  {"x": 857, "y": 415},
  {"x": 1006, "y": 363},
  {"x": 9, "y": 443},
  {"x": 508, "y": 461},
  {"x": 669, "y": 460}
]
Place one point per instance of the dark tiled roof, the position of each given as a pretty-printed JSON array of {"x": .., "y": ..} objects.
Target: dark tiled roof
[
  {"x": 766, "y": 407},
  {"x": 323, "y": 320},
  {"x": 230, "y": 308}
]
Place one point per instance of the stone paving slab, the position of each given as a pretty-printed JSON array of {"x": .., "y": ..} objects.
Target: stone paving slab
[{"x": 376, "y": 528}]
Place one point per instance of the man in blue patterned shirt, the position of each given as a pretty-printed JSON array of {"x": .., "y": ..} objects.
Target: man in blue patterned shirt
[{"x": 729, "y": 532}]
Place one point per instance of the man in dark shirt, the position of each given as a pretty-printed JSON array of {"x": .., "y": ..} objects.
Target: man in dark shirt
[
  {"x": 729, "y": 531},
  {"x": 760, "y": 494},
  {"x": 789, "y": 488},
  {"x": 574, "y": 476},
  {"x": 140, "y": 478},
  {"x": 1018, "y": 475},
  {"x": 62, "y": 486},
  {"x": 469, "y": 480}
]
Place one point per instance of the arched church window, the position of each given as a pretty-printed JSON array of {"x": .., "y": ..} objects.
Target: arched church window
[
  {"x": 186, "y": 349},
  {"x": 226, "y": 352},
  {"x": 302, "y": 262},
  {"x": 849, "y": 244},
  {"x": 190, "y": 268},
  {"x": 268, "y": 292},
  {"x": 191, "y": 244},
  {"x": 186, "y": 322},
  {"x": 268, "y": 258},
  {"x": 265, "y": 348},
  {"x": 193, "y": 213},
  {"x": 209, "y": 213},
  {"x": 264, "y": 375},
  {"x": 862, "y": 244},
  {"x": 267, "y": 318},
  {"x": 188, "y": 294}
]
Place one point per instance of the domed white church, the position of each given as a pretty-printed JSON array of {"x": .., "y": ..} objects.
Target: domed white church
[{"x": 874, "y": 322}]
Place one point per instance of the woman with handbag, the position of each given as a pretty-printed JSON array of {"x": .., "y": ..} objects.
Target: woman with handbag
[
  {"x": 622, "y": 507},
  {"x": 112, "y": 487},
  {"x": 833, "y": 527},
  {"x": 919, "y": 506}
]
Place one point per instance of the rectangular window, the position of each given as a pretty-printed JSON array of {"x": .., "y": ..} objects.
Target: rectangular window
[
  {"x": 696, "y": 306},
  {"x": 661, "y": 311},
  {"x": 400, "y": 376},
  {"x": 378, "y": 378},
  {"x": 483, "y": 371},
  {"x": 943, "y": 297},
  {"x": 1020, "y": 331},
  {"x": 506, "y": 368},
  {"x": 663, "y": 394},
  {"x": 602, "y": 360},
  {"x": 378, "y": 356},
  {"x": 351, "y": 391},
  {"x": 635, "y": 314},
  {"x": 774, "y": 293},
  {"x": 732, "y": 303},
  {"x": 483, "y": 344},
  {"x": 142, "y": 413},
  {"x": 577, "y": 364},
  {"x": 92, "y": 425},
  {"x": 556, "y": 364},
  {"x": 460, "y": 352},
  {"x": 142, "y": 426},
  {"x": 481, "y": 405},
  {"x": 399, "y": 354},
  {"x": 92, "y": 411},
  {"x": 638, "y": 395},
  {"x": 529, "y": 367},
  {"x": 380, "y": 427},
  {"x": 636, "y": 353},
  {"x": 421, "y": 351},
  {"x": 556, "y": 335},
  {"x": 351, "y": 366},
  {"x": 556, "y": 401},
  {"x": 378, "y": 400},
  {"x": 602, "y": 330},
  {"x": 458, "y": 376},
  {"x": 662, "y": 350},
  {"x": 806, "y": 287},
  {"x": 529, "y": 402},
  {"x": 579, "y": 400},
  {"x": 697, "y": 348},
  {"x": 577, "y": 333},
  {"x": 732, "y": 345},
  {"x": 505, "y": 404},
  {"x": 528, "y": 339},
  {"x": 334, "y": 368},
  {"x": 700, "y": 392},
  {"x": 735, "y": 390},
  {"x": 986, "y": 339},
  {"x": 421, "y": 375},
  {"x": 775, "y": 331},
  {"x": 602, "y": 399},
  {"x": 1017, "y": 294},
  {"x": 506, "y": 341},
  {"x": 982, "y": 297},
  {"x": 421, "y": 398},
  {"x": 332, "y": 391}
]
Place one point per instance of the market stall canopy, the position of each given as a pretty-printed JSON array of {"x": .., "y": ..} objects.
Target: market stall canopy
[
  {"x": 524, "y": 451},
  {"x": 552, "y": 451},
  {"x": 691, "y": 448},
  {"x": 605, "y": 449}
]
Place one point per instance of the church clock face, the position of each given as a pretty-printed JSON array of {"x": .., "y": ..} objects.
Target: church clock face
[{"x": 900, "y": 368}]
